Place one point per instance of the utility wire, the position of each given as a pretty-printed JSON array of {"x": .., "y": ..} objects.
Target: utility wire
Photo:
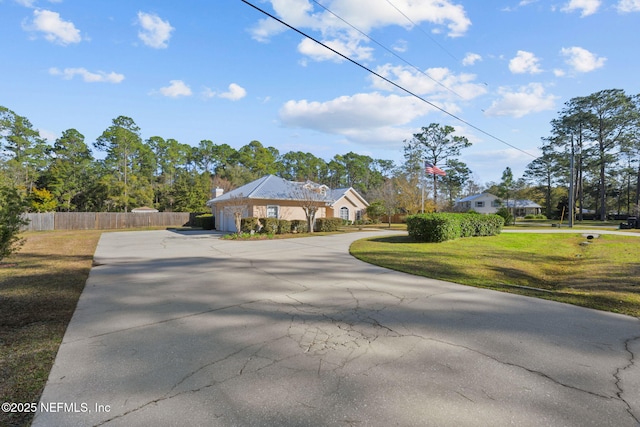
[
  {"x": 388, "y": 50},
  {"x": 384, "y": 78},
  {"x": 420, "y": 28}
]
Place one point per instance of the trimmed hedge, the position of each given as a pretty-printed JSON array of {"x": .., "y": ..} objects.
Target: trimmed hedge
[
  {"x": 284, "y": 226},
  {"x": 249, "y": 224},
  {"x": 299, "y": 225},
  {"x": 328, "y": 224},
  {"x": 440, "y": 227},
  {"x": 205, "y": 221},
  {"x": 269, "y": 225}
]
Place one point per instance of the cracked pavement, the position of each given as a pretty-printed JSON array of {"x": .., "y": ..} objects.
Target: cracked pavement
[{"x": 186, "y": 329}]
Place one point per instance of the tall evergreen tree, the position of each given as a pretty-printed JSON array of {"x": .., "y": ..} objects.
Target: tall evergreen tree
[
  {"x": 435, "y": 145},
  {"x": 127, "y": 161}
]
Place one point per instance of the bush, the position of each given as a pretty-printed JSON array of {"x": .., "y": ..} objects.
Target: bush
[
  {"x": 269, "y": 225},
  {"x": 440, "y": 227},
  {"x": 328, "y": 224},
  {"x": 506, "y": 215},
  {"x": 284, "y": 226},
  {"x": 299, "y": 226},
  {"x": 249, "y": 224},
  {"x": 11, "y": 208},
  {"x": 205, "y": 221}
]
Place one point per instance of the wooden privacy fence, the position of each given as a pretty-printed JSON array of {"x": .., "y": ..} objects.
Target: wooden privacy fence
[{"x": 104, "y": 220}]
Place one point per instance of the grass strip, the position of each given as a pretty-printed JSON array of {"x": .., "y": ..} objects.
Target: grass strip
[
  {"x": 603, "y": 274},
  {"x": 39, "y": 290}
]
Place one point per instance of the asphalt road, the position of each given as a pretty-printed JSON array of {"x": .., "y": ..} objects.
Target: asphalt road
[{"x": 189, "y": 330}]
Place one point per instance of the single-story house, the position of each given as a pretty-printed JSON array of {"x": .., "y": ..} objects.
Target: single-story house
[
  {"x": 274, "y": 197},
  {"x": 524, "y": 207},
  {"x": 487, "y": 203}
]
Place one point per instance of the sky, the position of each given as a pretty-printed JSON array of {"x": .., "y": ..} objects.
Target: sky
[{"x": 498, "y": 71}]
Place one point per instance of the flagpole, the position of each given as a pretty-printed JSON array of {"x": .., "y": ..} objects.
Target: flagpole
[{"x": 424, "y": 180}]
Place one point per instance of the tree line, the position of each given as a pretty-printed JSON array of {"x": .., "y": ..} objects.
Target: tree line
[
  {"x": 158, "y": 172},
  {"x": 600, "y": 130},
  {"x": 172, "y": 176}
]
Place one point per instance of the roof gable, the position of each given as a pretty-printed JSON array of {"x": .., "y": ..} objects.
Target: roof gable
[{"x": 340, "y": 193}]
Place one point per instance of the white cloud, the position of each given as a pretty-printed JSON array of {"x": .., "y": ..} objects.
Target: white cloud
[
  {"x": 439, "y": 84},
  {"x": 526, "y": 100},
  {"x": 234, "y": 93},
  {"x": 471, "y": 59},
  {"x": 361, "y": 117},
  {"x": 628, "y": 6},
  {"x": 87, "y": 76},
  {"x": 588, "y": 7},
  {"x": 400, "y": 46},
  {"x": 362, "y": 14},
  {"x": 524, "y": 62},
  {"x": 581, "y": 60},
  {"x": 26, "y": 3},
  {"x": 155, "y": 32},
  {"x": 348, "y": 47},
  {"x": 176, "y": 89},
  {"x": 55, "y": 29}
]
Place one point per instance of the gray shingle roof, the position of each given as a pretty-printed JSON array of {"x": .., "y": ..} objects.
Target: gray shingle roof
[{"x": 273, "y": 188}]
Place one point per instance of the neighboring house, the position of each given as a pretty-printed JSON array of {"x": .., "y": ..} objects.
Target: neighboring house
[
  {"x": 274, "y": 197},
  {"x": 487, "y": 203},
  {"x": 524, "y": 207}
]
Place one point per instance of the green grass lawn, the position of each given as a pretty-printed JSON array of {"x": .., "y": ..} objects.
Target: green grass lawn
[
  {"x": 603, "y": 274},
  {"x": 39, "y": 290}
]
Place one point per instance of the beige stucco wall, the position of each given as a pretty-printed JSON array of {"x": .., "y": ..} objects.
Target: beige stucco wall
[
  {"x": 287, "y": 209},
  {"x": 351, "y": 202}
]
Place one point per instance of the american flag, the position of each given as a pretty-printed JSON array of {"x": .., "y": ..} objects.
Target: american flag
[{"x": 433, "y": 169}]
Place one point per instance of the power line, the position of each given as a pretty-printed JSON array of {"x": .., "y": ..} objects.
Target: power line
[
  {"x": 387, "y": 49},
  {"x": 420, "y": 28},
  {"x": 385, "y": 79}
]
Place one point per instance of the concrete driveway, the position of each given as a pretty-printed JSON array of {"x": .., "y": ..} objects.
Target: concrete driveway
[{"x": 190, "y": 330}]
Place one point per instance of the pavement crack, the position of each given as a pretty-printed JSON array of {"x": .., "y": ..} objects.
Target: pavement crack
[
  {"x": 618, "y": 377},
  {"x": 515, "y": 365}
]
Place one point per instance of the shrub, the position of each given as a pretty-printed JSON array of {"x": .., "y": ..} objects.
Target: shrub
[
  {"x": 249, "y": 224},
  {"x": 11, "y": 208},
  {"x": 328, "y": 224},
  {"x": 506, "y": 215},
  {"x": 284, "y": 226},
  {"x": 205, "y": 221},
  {"x": 440, "y": 227},
  {"x": 269, "y": 225},
  {"x": 299, "y": 226}
]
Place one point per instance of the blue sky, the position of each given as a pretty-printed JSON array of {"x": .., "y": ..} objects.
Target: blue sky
[{"x": 223, "y": 71}]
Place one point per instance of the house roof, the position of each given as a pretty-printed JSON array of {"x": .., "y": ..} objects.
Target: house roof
[
  {"x": 522, "y": 204},
  {"x": 476, "y": 196},
  {"x": 509, "y": 203},
  {"x": 271, "y": 187}
]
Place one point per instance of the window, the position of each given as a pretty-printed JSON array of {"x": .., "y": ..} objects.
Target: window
[
  {"x": 479, "y": 204},
  {"x": 495, "y": 203},
  {"x": 272, "y": 211},
  {"x": 344, "y": 213}
]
